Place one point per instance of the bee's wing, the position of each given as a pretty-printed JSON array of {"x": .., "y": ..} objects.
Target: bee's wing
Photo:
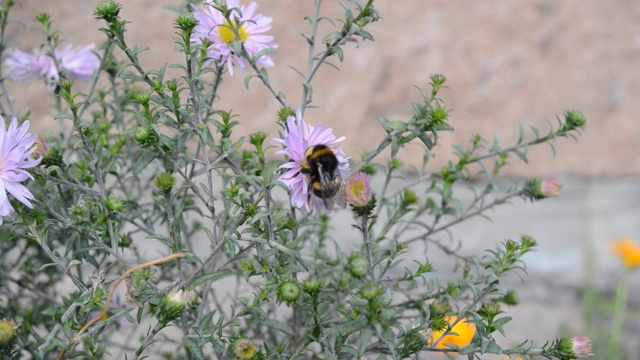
[{"x": 334, "y": 189}]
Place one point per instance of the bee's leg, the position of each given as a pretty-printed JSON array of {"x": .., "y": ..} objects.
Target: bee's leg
[{"x": 309, "y": 191}]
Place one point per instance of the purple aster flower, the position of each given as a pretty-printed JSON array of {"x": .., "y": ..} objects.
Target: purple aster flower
[
  {"x": 26, "y": 67},
  {"x": 298, "y": 137},
  {"x": 16, "y": 145},
  {"x": 78, "y": 64},
  {"x": 246, "y": 26}
]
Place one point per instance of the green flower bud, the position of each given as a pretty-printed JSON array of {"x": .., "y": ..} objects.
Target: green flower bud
[
  {"x": 284, "y": 113},
  {"x": 173, "y": 305},
  {"x": 358, "y": 265},
  {"x": 186, "y": 23},
  {"x": 409, "y": 198},
  {"x": 107, "y": 10},
  {"x": 257, "y": 139},
  {"x": 65, "y": 83},
  {"x": 53, "y": 157},
  {"x": 437, "y": 81},
  {"x": 413, "y": 343},
  {"x": 114, "y": 204},
  {"x": 145, "y": 136},
  {"x": 510, "y": 298},
  {"x": 574, "y": 120},
  {"x": 244, "y": 349},
  {"x": 439, "y": 115},
  {"x": 165, "y": 182},
  {"x": 312, "y": 287},
  {"x": 370, "y": 291},
  {"x": 142, "y": 97},
  {"x": 7, "y": 331},
  {"x": 490, "y": 310},
  {"x": 289, "y": 291}
]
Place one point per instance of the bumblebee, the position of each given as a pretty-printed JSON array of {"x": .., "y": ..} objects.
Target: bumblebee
[{"x": 320, "y": 165}]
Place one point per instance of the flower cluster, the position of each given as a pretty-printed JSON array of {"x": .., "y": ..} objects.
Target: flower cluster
[
  {"x": 78, "y": 64},
  {"x": 223, "y": 34},
  {"x": 16, "y": 147},
  {"x": 298, "y": 138}
]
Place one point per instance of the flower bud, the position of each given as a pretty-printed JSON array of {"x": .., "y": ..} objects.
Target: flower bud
[
  {"x": 581, "y": 346},
  {"x": 574, "y": 120},
  {"x": 575, "y": 348},
  {"x": 53, "y": 157},
  {"x": 510, "y": 298},
  {"x": 165, "y": 182},
  {"x": 437, "y": 81},
  {"x": 371, "y": 291},
  {"x": 358, "y": 265},
  {"x": 7, "y": 331},
  {"x": 438, "y": 115},
  {"x": 285, "y": 113},
  {"x": 312, "y": 287},
  {"x": 256, "y": 139},
  {"x": 107, "y": 10},
  {"x": 244, "y": 349},
  {"x": 186, "y": 23},
  {"x": 142, "y": 98},
  {"x": 114, "y": 204},
  {"x": 173, "y": 305},
  {"x": 145, "y": 136},
  {"x": 358, "y": 190},
  {"x": 541, "y": 189},
  {"x": 409, "y": 198},
  {"x": 289, "y": 291},
  {"x": 550, "y": 187}
]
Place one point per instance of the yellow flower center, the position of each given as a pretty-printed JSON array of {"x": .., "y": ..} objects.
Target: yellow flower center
[
  {"x": 358, "y": 189},
  {"x": 230, "y": 33}
]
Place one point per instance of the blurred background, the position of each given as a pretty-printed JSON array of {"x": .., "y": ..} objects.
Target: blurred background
[{"x": 507, "y": 63}]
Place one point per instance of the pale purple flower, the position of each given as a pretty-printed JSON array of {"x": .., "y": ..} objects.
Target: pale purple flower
[
  {"x": 16, "y": 145},
  {"x": 249, "y": 26},
  {"x": 581, "y": 346},
  {"x": 25, "y": 67},
  {"x": 78, "y": 64},
  {"x": 298, "y": 137}
]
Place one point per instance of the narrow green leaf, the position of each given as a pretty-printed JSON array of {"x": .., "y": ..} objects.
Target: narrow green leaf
[
  {"x": 194, "y": 349},
  {"x": 144, "y": 160}
]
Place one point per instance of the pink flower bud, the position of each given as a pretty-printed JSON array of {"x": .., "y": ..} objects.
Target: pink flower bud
[
  {"x": 358, "y": 190},
  {"x": 550, "y": 187}
]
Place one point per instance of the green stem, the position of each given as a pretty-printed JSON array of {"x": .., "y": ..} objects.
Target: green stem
[
  {"x": 367, "y": 243},
  {"x": 619, "y": 317}
]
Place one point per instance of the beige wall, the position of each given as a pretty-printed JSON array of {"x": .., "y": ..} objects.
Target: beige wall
[{"x": 508, "y": 62}]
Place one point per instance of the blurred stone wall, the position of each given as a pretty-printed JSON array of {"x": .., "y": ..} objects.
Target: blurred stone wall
[{"x": 508, "y": 63}]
